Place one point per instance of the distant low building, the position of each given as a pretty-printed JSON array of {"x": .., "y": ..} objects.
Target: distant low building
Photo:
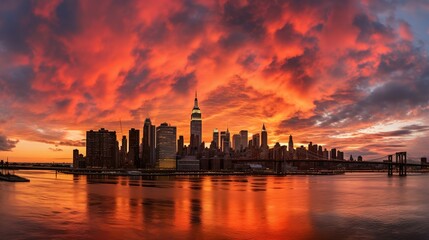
[{"x": 188, "y": 163}]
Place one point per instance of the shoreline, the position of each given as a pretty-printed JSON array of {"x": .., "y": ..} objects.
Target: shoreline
[{"x": 204, "y": 173}]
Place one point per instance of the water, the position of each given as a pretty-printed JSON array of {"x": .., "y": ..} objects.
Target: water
[{"x": 351, "y": 206}]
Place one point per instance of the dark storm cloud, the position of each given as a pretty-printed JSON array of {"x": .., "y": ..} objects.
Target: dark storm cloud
[
  {"x": 191, "y": 19},
  {"x": 388, "y": 101},
  {"x": 369, "y": 27},
  {"x": 7, "y": 144},
  {"x": 297, "y": 67},
  {"x": 183, "y": 83},
  {"x": 288, "y": 34},
  {"x": 61, "y": 104},
  {"x": 244, "y": 23},
  {"x": 400, "y": 60},
  {"x": 233, "y": 40},
  {"x": 248, "y": 61},
  {"x": 67, "y": 13},
  {"x": 197, "y": 54},
  {"x": 16, "y": 82},
  {"x": 298, "y": 123},
  {"x": 16, "y": 24},
  {"x": 405, "y": 75},
  {"x": 153, "y": 34},
  {"x": 134, "y": 81},
  {"x": 358, "y": 55}
]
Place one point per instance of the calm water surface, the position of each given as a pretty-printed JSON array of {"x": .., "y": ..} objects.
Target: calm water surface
[{"x": 351, "y": 206}]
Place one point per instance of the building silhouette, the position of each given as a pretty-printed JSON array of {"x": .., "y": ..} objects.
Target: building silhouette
[
  {"x": 195, "y": 127},
  {"x": 166, "y": 146},
  {"x": 216, "y": 138},
  {"x": 236, "y": 142},
  {"x": 264, "y": 137},
  {"x": 244, "y": 138},
  {"x": 133, "y": 153},
  {"x": 78, "y": 159},
  {"x": 101, "y": 148},
  {"x": 180, "y": 146},
  {"x": 256, "y": 143},
  {"x": 148, "y": 144},
  {"x": 225, "y": 141},
  {"x": 123, "y": 152},
  {"x": 333, "y": 154}
]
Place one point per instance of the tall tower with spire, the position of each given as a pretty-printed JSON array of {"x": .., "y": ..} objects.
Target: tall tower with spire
[
  {"x": 290, "y": 145},
  {"x": 264, "y": 137},
  {"x": 196, "y": 127}
]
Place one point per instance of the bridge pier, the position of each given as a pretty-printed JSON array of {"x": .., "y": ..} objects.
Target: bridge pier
[
  {"x": 401, "y": 161},
  {"x": 390, "y": 165}
]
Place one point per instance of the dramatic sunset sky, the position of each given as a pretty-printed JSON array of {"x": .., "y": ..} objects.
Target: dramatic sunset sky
[{"x": 347, "y": 74}]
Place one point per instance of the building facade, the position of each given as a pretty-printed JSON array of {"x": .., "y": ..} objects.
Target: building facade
[
  {"x": 101, "y": 148},
  {"x": 133, "y": 154},
  {"x": 244, "y": 138},
  {"x": 166, "y": 146},
  {"x": 236, "y": 142},
  {"x": 196, "y": 127},
  {"x": 264, "y": 137},
  {"x": 216, "y": 138},
  {"x": 148, "y": 144}
]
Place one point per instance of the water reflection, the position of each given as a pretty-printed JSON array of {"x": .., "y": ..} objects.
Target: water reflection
[{"x": 352, "y": 206}]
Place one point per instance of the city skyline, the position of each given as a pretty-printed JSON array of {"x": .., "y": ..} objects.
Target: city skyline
[{"x": 351, "y": 75}]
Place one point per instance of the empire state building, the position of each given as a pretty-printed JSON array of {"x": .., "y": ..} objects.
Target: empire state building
[{"x": 196, "y": 127}]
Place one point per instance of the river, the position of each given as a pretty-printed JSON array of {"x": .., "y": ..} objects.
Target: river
[{"x": 350, "y": 206}]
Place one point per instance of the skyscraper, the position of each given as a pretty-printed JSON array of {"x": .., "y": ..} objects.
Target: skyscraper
[
  {"x": 264, "y": 137},
  {"x": 166, "y": 146},
  {"x": 256, "y": 140},
  {"x": 75, "y": 158},
  {"x": 101, "y": 148},
  {"x": 333, "y": 154},
  {"x": 133, "y": 154},
  {"x": 236, "y": 141},
  {"x": 225, "y": 140},
  {"x": 290, "y": 145},
  {"x": 216, "y": 137},
  {"x": 196, "y": 127},
  {"x": 244, "y": 138},
  {"x": 123, "y": 152},
  {"x": 148, "y": 144},
  {"x": 180, "y": 145}
]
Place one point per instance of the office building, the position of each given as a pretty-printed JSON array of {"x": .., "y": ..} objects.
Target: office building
[
  {"x": 101, "y": 148},
  {"x": 236, "y": 142},
  {"x": 244, "y": 138},
  {"x": 216, "y": 138},
  {"x": 166, "y": 146},
  {"x": 264, "y": 137},
  {"x": 180, "y": 146},
  {"x": 196, "y": 127},
  {"x": 123, "y": 152},
  {"x": 148, "y": 144},
  {"x": 133, "y": 153},
  {"x": 333, "y": 154},
  {"x": 256, "y": 140},
  {"x": 225, "y": 141}
]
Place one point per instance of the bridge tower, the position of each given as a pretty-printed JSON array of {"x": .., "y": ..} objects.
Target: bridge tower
[
  {"x": 390, "y": 165},
  {"x": 401, "y": 162}
]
